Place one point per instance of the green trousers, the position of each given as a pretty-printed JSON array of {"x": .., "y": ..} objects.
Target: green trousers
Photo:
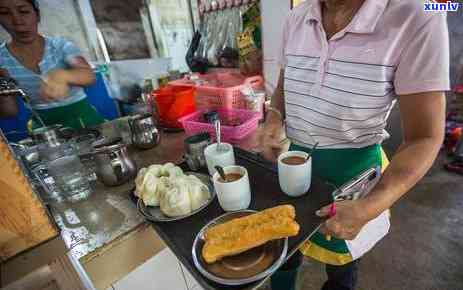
[
  {"x": 336, "y": 166},
  {"x": 77, "y": 116}
]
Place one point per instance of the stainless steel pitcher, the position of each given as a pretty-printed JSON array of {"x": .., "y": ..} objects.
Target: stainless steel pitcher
[
  {"x": 114, "y": 166},
  {"x": 145, "y": 133}
]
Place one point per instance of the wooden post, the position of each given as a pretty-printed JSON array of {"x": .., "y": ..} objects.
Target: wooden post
[{"x": 24, "y": 222}]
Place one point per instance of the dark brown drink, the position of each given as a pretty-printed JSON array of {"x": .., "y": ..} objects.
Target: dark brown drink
[
  {"x": 231, "y": 177},
  {"x": 293, "y": 160}
]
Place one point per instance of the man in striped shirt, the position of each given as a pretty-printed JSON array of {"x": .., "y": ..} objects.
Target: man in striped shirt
[{"x": 344, "y": 65}]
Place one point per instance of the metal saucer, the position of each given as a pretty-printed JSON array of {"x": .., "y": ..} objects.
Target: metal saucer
[
  {"x": 248, "y": 267},
  {"x": 155, "y": 214}
]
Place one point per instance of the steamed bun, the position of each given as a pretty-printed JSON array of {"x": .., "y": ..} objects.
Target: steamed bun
[
  {"x": 139, "y": 180},
  {"x": 174, "y": 172},
  {"x": 170, "y": 170},
  {"x": 164, "y": 185},
  {"x": 148, "y": 178},
  {"x": 166, "y": 167},
  {"x": 176, "y": 200},
  {"x": 199, "y": 192},
  {"x": 150, "y": 193},
  {"x": 156, "y": 170},
  {"x": 167, "y": 186}
]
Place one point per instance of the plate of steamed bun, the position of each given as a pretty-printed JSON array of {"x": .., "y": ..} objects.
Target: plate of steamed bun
[{"x": 166, "y": 193}]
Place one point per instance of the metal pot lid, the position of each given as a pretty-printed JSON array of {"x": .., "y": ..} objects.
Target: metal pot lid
[
  {"x": 250, "y": 266},
  {"x": 42, "y": 130},
  {"x": 108, "y": 145}
]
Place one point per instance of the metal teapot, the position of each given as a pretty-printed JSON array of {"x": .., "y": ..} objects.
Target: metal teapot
[
  {"x": 145, "y": 133},
  {"x": 114, "y": 166}
]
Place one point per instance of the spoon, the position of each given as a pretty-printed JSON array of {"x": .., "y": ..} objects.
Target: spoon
[
  {"x": 284, "y": 141},
  {"x": 221, "y": 173},
  {"x": 312, "y": 150},
  {"x": 218, "y": 134}
]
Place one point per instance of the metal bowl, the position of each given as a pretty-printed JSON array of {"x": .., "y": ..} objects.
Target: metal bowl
[
  {"x": 155, "y": 214},
  {"x": 248, "y": 267}
]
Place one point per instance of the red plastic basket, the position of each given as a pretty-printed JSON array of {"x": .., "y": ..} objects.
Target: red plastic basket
[
  {"x": 174, "y": 102},
  {"x": 247, "y": 122},
  {"x": 221, "y": 90}
]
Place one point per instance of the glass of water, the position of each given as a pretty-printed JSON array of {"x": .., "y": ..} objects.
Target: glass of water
[
  {"x": 84, "y": 147},
  {"x": 70, "y": 177}
]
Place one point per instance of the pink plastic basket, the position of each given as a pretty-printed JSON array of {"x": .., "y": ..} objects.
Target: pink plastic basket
[
  {"x": 221, "y": 89},
  {"x": 248, "y": 122}
]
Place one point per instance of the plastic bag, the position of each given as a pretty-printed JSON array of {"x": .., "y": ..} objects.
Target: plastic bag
[
  {"x": 250, "y": 42},
  {"x": 218, "y": 42},
  {"x": 196, "y": 64}
]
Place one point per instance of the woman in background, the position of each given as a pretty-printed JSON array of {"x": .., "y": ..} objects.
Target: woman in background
[{"x": 51, "y": 70}]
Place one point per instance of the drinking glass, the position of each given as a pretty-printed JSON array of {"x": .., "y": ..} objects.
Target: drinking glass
[{"x": 70, "y": 176}]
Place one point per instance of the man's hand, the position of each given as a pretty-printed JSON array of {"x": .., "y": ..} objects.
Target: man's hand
[
  {"x": 55, "y": 85},
  {"x": 349, "y": 220},
  {"x": 270, "y": 139}
]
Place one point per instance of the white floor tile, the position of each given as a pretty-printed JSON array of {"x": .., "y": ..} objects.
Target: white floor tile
[
  {"x": 161, "y": 272},
  {"x": 192, "y": 284},
  {"x": 197, "y": 287}
]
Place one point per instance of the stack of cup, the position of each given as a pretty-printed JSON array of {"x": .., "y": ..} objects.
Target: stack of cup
[{"x": 216, "y": 155}]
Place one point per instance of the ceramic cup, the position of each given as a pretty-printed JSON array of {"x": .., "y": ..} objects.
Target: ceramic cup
[
  {"x": 224, "y": 157},
  {"x": 234, "y": 195},
  {"x": 295, "y": 180}
]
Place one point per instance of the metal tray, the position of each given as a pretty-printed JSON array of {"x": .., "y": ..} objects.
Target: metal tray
[
  {"x": 155, "y": 214},
  {"x": 245, "y": 268}
]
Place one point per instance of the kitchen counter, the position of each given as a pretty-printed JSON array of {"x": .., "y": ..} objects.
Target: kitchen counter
[
  {"x": 109, "y": 213},
  {"x": 106, "y": 233},
  {"x": 89, "y": 228}
]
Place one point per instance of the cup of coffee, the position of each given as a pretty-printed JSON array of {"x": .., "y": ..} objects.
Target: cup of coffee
[
  {"x": 234, "y": 193},
  {"x": 223, "y": 156},
  {"x": 295, "y": 173}
]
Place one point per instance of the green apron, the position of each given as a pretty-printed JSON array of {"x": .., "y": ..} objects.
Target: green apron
[
  {"x": 338, "y": 166},
  {"x": 77, "y": 116}
]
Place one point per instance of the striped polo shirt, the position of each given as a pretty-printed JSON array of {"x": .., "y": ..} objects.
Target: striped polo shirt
[
  {"x": 340, "y": 92},
  {"x": 58, "y": 54}
]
